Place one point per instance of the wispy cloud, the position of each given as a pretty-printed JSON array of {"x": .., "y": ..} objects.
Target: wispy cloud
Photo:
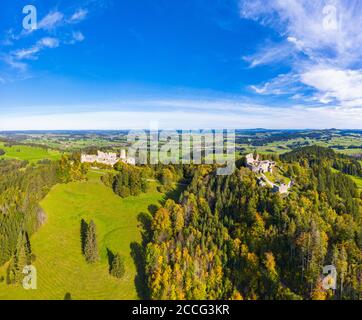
[
  {"x": 55, "y": 19},
  {"x": 297, "y": 117},
  {"x": 78, "y": 36},
  {"x": 56, "y": 29},
  {"x": 78, "y": 16},
  {"x": 13, "y": 63},
  {"x": 51, "y": 20},
  {"x": 305, "y": 21},
  {"x": 270, "y": 54},
  {"x": 31, "y": 53},
  {"x": 324, "y": 42},
  {"x": 283, "y": 84}
]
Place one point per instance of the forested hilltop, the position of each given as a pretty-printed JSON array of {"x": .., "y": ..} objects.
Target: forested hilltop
[
  {"x": 228, "y": 238},
  {"x": 212, "y": 237}
]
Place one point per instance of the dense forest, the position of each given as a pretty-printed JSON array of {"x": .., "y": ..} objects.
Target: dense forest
[
  {"x": 315, "y": 154},
  {"x": 228, "y": 238},
  {"x": 127, "y": 180}
]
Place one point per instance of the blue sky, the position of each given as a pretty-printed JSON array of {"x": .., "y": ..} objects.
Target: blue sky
[{"x": 107, "y": 64}]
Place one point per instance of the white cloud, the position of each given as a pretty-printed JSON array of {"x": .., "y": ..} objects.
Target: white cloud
[
  {"x": 78, "y": 16},
  {"x": 326, "y": 45},
  {"x": 78, "y": 36},
  {"x": 344, "y": 86},
  {"x": 51, "y": 20},
  {"x": 30, "y": 53},
  {"x": 26, "y": 53},
  {"x": 48, "y": 42},
  {"x": 10, "y": 61},
  {"x": 299, "y": 44},
  {"x": 305, "y": 21},
  {"x": 270, "y": 54},
  {"x": 182, "y": 114},
  {"x": 297, "y": 117},
  {"x": 284, "y": 84},
  {"x": 54, "y": 23}
]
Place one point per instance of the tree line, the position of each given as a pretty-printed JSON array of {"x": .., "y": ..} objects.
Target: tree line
[{"x": 22, "y": 187}]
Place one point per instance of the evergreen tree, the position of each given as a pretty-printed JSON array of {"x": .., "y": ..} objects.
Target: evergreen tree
[
  {"x": 21, "y": 258},
  {"x": 117, "y": 268},
  {"x": 91, "y": 247},
  {"x": 68, "y": 296}
]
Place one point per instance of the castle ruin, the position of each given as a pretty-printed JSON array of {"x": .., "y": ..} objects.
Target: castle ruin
[
  {"x": 259, "y": 166},
  {"x": 107, "y": 158}
]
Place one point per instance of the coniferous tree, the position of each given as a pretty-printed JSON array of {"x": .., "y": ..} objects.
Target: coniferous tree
[
  {"x": 117, "y": 268},
  {"x": 91, "y": 247},
  {"x": 68, "y": 296},
  {"x": 21, "y": 258}
]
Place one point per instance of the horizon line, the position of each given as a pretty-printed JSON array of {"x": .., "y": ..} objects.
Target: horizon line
[{"x": 180, "y": 129}]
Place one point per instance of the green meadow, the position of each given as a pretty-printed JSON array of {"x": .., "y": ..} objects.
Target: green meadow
[
  {"x": 60, "y": 264},
  {"x": 358, "y": 181},
  {"x": 29, "y": 153},
  {"x": 340, "y": 144}
]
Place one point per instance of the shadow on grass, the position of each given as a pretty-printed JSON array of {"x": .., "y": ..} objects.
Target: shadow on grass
[
  {"x": 110, "y": 256},
  {"x": 138, "y": 255},
  {"x": 152, "y": 208},
  {"x": 83, "y": 233},
  {"x": 138, "y": 252},
  {"x": 144, "y": 223},
  {"x": 175, "y": 193}
]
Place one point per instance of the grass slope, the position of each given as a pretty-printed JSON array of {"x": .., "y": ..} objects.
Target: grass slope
[
  {"x": 358, "y": 181},
  {"x": 32, "y": 154},
  {"x": 61, "y": 266}
]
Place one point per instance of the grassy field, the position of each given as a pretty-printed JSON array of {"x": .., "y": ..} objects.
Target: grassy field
[
  {"x": 280, "y": 147},
  {"x": 32, "y": 154},
  {"x": 61, "y": 266},
  {"x": 357, "y": 180},
  {"x": 75, "y": 141},
  {"x": 277, "y": 177}
]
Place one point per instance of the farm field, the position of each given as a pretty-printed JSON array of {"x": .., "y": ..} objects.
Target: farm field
[
  {"x": 73, "y": 142},
  {"x": 60, "y": 265},
  {"x": 269, "y": 142},
  {"x": 342, "y": 144},
  {"x": 29, "y": 153}
]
